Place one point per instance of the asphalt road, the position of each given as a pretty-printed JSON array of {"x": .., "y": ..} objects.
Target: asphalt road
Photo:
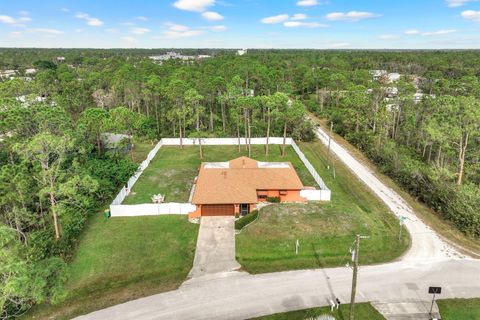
[{"x": 237, "y": 295}]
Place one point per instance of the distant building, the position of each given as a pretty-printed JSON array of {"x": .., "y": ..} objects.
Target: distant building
[
  {"x": 393, "y": 77},
  {"x": 179, "y": 56},
  {"x": 391, "y": 92},
  {"x": 378, "y": 75},
  {"x": 241, "y": 52},
  {"x": 60, "y": 59},
  {"x": 30, "y": 71},
  {"x": 8, "y": 74},
  {"x": 117, "y": 142}
]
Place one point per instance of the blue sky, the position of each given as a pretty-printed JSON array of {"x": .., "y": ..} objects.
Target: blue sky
[{"x": 324, "y": 24}]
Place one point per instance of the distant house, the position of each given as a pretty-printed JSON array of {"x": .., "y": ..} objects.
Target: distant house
[
  {"x": 117, "y": 142},
  {"x": 393, "y": 77},
  {"x": 8, "y": 74},
  {"x": 241, "y": 52},
  {"x": 60, "y": 59},
  {"x": 391, "y": 92},
  {"x": 378, "y": 75},
  {"x": 237, "y": 186}
]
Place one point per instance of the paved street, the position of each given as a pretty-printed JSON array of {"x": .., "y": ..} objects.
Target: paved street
[{"x": 236, "y": 295}]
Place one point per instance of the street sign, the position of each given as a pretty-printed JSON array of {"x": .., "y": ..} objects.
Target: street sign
[{"x": 435, "y": 290}]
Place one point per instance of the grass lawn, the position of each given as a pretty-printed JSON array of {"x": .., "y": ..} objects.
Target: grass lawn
[
  {"x": 446, "y": 229},
  {"x": 325, "y": 231},
  {"x": 122, "y": 259},
  {"x": 140, "y": 150},
  {"x": 173, "y": 170},
  {"x": 363, "y": 311},
  {"x": 459, "y": 309}
]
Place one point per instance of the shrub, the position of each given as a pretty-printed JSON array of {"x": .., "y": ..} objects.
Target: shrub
[
  {"x": 245, "y": 220},
  {"x": 273, "y": 199}
]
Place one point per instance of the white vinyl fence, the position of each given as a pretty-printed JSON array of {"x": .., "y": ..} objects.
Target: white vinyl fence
[
  {"x": 119, "y": 210},
  {"x": 151, "y": 209}
]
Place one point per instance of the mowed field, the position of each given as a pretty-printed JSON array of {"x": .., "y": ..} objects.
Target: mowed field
[{"x": 325, "y": 230}]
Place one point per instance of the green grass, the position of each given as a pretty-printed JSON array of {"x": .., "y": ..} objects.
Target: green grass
[
  {"x": 121, "y": 259},
  {"x": 325, "y": 230},
  {"x": 363, "y": 311},
  {"x": 173, "y": 170},
  {"x": 459, "y": 309},
  {"x": 140, "y": 150}
]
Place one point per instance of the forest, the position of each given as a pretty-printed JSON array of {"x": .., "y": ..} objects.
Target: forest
[{"x": 56, "y": 171}]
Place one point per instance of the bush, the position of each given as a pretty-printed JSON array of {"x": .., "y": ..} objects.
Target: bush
[
  {"x": 245, "y": 220},
  {"x": 273, "y": 199}
]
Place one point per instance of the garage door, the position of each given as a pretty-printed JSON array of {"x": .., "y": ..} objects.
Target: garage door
[{"x": 218, "y": 210}]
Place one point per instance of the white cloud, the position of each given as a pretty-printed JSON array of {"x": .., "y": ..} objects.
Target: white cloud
[
  {"x": 65, "y": 9},
  {"x": 307, "y": 3},
  {"x": 176, "y": 31},
  {"x": 429, "y": 33},
  {"x": 7, "y": 19},
  {"x": 193, "y": 5},
  {"x": 139, "y": 30},
  {"x": 295, "y": 24},
  {"x": 212, "y": 16},
  {"x": 24, "y": 13},
  {"x": 299, "y": 16},
  {"x": 458, "y": 3},
  {"x": 471, "y": 15},
  {"x": 17, "y": 22},
  {"x": 15, "y": 34},
  {"x": 387, "y": 37},
  {"x": 412, "y": 32},
  {"x": 129, "y": 40},
  {"x": 45, "y": 31},
  {"x": 351, "y": 16},
  {"x": 141, "y": 18},
  {"x": 218, "y": 28},
  {"x": 275, "y": 19},
  {"x": 91, "y": 21},
  {"x": 438, "y": 32}
]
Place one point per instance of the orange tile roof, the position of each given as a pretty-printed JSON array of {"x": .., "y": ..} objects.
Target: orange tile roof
[{"x": 239, "y": 183}]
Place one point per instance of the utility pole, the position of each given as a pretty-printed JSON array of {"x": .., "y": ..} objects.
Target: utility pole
[
  {"x": 329, "y": 140},
  {"x": 355, "y": 274}
]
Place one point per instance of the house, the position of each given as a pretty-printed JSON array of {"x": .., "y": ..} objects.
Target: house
[
  {"x": 237, "y": 186},
  {"x": 60, "y": 59},
  {"x": 393, "y": 77},
  {"x": 116, "y": 141},
  {"x": 241, "y": 52}
]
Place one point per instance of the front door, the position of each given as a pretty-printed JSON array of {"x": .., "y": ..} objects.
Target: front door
[{"x": 244, "y": 209}]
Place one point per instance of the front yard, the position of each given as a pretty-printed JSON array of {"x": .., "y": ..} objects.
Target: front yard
[
  {"x": 325, "y": 231},
  {"x": 363, "y": 311},
  {"x": 122, "y": 259}
]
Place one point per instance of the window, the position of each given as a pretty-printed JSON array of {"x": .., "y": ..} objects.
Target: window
[
  {"x": 283, "y": 192},
  {"x": 262, "y": 194}
]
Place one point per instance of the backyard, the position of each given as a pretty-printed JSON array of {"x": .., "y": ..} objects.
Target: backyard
[
  {"x": 173, "y": 170},
  {"x": 325, "y": 230}
]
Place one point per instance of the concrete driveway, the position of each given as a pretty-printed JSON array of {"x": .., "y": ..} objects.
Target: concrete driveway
[{"x": 215, "y": 251}]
